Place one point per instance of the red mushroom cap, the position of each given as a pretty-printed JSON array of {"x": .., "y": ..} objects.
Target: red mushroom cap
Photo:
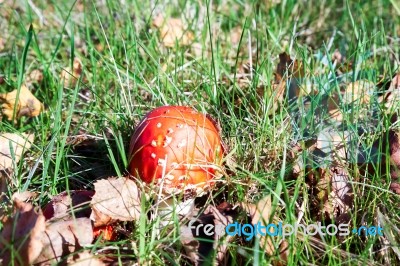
[{"x": 177, "y": 147}]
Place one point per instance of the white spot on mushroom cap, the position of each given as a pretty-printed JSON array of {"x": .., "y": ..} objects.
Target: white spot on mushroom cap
[
  {"x": 169, "y": 177},
  {"x": 182, "y": 143},
  {"x": 190, "y": 186},
  {"x": 153, "y": 155},
  {"x": 167, "y": 141},
  {"x": 159, "y": 125},
  {"x": 182, "y": 178},
  {"x": 154, "y": 143},
  {"x": 167, "y": 181},
  {"x": 170, "y": 130}
]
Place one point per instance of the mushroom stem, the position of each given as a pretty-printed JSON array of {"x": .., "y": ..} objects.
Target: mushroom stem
[{"x": 167, "y": 209}]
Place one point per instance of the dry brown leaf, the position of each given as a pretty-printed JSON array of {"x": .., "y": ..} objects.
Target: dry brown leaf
[
  {"x": 23, "y": 196},
  {"x": 115, "y": 199},
  {"x": 337, "y": 57},
  {"x": 395, "y": 84},
  {"x": 2, "y": 44},
  {"x": 391, "y": 99},
  {"x": 196, "y": 248},
  {"x": 61, "y": 206},
  {"x": 22, "y": 232},
  {"x": 80, "y": 6},
  {"x": 343, "y": 65},
  {"x": 25, "y": 105},
  {"x": 235, "y": 35},
  {"x": 173, "y": 30},
  {"x": 394, "y": 149},
  {"x": 333, "y": 143},
  {"x": 395, "y": 187},
  {"x": 390, "y": 231},
  {"x": 5, "y": 177},
  {"x": 334, "y": 107},
  {"x": 85, "y": 258},
  {"x": 190, "y": 244},
  {"x": 69, "y": 76},
  {"x": 220, "y": 221},
  {"x": 261, "y": 212},
  {"x": 12, "y": 146},
  {"x": 288, "y": 67},
  {"x": 358, "y": 92},
  {"x": 197, "y": 49},
  {"x": 64, "y": 237},
  {"x": 287, "y": 70},
  {"x": 332, "y": 192},
  {"x": 36, "y": 76}
]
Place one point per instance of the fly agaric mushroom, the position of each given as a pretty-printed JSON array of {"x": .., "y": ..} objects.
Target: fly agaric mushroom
[{"x": 179, "y": 151}]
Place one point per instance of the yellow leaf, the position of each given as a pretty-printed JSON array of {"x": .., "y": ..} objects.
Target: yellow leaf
[
  {"x": 173, "y": 30},
  {"x": 27, "y": 104},
  {"x": 36, "y": 76},
  {"x": 12, "y": 147},
  {"x": 71, "y": 76},
  {"x": 2, "y": 44}
]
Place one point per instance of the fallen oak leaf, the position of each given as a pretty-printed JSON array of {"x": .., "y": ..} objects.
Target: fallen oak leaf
[
  {"x": 331, "y": 192},
  {"x": 24, "y": 195},
  {"x": 75, "y": 204},
  {"x": 35, "y": 77},
  {"x": 394, "y": 149},
  {"x": 390, "y": 230},
  {"x": 197, "y": 241},
  {"x": 358, "y": 92},
  {"x": 340, "y": 199},
  {"x": 342, "y": 63},
  {"x": 220, "y": 221},
  {"x": 64, "y": 237},
  {"x": 12, "y": 147},
  {"x": 261, "y": 213},
  {"x": 2, "y": 44},
  {"x": 333, "y": 143},
  {"x": 85, "y": 258},
  {"x": 172, "y": 30},
  {"x": 22, "y": 101},
  {"x": 395, "y": 187},
  {"x": 291, "y": 71},
  {"x": 288, "y": 72},
  {"x": 5, "y": 177},
  {"x": 391, "y": 98},
  {"x": 70, "y": 76},
  {"x": 190, "y": 244},
  {"x": 236, "y": 35},
  {"x": 20, "y": 240},
  {"x": 115, "y": 199},
  {"x": 62, "y": 205}
]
